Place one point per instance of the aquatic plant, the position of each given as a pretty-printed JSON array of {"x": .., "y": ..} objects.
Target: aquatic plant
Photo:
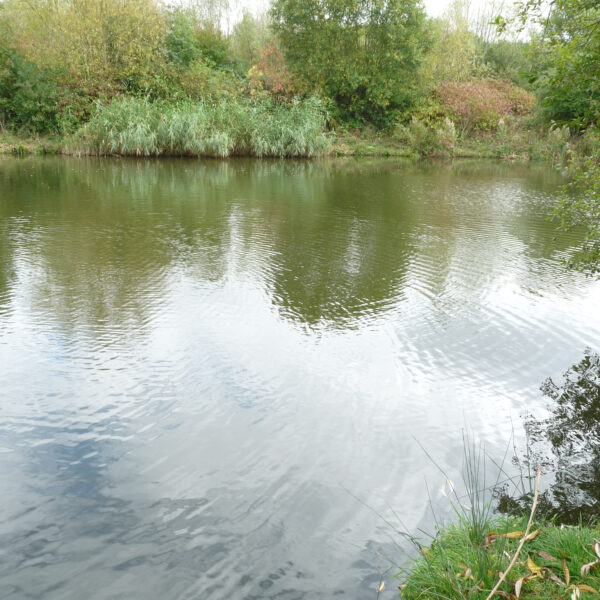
[{"x": 231, "y": 126}]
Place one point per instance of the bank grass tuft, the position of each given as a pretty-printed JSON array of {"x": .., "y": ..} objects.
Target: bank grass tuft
[
  {"x": 556, "y": 562},
  {"x": 228, "y": 127},
  {"x": 482, "y": 555}
]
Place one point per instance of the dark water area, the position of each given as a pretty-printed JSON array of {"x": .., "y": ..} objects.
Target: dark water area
[
  {"x": 566, "y": 445},
  {"x": 216, "y": 377}
]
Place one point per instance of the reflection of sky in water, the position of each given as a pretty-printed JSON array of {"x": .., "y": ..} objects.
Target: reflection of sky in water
[{"x": 201, "y": 366}]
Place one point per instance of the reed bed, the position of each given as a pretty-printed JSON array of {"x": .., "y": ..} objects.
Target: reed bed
[{"x": 229, "y": 127}]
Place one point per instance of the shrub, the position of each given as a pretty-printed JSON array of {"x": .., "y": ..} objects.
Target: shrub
[
  {"x": 424, "y": 139},
  {"x": 428, "y": 140},
  {"x": 31, "y": 98},
  {"x": 480, "y": 104},
  {"x": 271, "y": 73},
  {"x": 446, "y": 136}
]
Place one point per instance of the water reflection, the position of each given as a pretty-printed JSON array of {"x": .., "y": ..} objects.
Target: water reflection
[
  {"x": 331, "y": 244},
  {"x": 204, "y": 362},
  {"x": 567, "y": 445}
]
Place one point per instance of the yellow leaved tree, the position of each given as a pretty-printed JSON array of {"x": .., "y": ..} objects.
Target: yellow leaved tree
[{"x": 102, "y": 45}]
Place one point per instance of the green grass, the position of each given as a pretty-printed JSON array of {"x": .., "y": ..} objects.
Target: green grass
[
  {"x": 230, "y": 127},
  {"x": 20, "y": 145},
  {"x": 465, "y": 560},
  {"x": 460, "y": 564},
  {"x": 518, "y": 142}
]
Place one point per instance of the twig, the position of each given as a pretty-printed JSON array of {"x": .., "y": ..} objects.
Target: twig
[{"x": 523, "y": 539}]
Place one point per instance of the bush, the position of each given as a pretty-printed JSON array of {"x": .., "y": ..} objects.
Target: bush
[
  {"x": 232, "y": 126},
  {"x": 446, "y": 136},
  {"x": 428, "y": 140},
  {"x": 271, "y": 73},
  {"x": 480, "y": 104},
  {"x": 31, "y": 99}
]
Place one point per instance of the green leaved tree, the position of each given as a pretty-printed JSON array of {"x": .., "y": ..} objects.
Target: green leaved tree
[{"x": 362, "y": 54}]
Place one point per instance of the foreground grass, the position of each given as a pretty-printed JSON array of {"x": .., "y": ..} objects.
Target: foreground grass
[{"x": 555, "y": 563}]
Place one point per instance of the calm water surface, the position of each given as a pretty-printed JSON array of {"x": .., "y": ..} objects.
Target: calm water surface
[{"x": 214, "y": 374}]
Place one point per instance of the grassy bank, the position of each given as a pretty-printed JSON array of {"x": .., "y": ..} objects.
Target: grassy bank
[
  {"x": 556, "y": 562},
  {"x": 517, "y": 142},
  {"x": 262, "y": 127},
  {"x": 186, "y": 131},
  {"x": 20, "y": 145}
]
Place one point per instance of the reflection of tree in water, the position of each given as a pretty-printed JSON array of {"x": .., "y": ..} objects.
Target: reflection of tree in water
[{"x": 567, "y": 445}]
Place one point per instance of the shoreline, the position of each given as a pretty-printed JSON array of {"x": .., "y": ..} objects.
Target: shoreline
[{"x": 342, "y": 146}]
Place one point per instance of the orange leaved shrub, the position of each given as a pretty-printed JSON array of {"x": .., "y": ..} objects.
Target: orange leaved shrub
[
  {"x": 271, "y": 73},
  {"x": 482, "y": 103}
]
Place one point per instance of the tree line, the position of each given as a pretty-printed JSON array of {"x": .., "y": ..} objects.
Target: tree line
[{"x": 375, "y": 62}]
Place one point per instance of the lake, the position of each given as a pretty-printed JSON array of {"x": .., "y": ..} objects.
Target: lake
[{"x": 221, "y": 380}]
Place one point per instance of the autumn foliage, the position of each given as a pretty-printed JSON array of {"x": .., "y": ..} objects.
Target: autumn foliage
[
  {"x": 271, "y": 73},
  {"x": 480, "y": 104}
]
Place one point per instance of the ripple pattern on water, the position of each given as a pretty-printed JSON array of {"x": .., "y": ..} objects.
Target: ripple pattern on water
[{"x": 215, "y": 375}]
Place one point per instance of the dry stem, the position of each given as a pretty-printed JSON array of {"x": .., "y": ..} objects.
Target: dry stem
[{"x": 523, "y": 539}]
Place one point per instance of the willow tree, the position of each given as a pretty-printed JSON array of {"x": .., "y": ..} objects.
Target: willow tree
[
  {"x": 100, "y": 44},
  {"x": 362, "y": 54}
]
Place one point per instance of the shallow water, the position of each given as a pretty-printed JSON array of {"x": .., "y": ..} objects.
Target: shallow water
[{"x": 217, "y": 376}]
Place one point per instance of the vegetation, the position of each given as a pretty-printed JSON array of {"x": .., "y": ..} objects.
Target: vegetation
[
  {"x": 556, "y": 562},
  {"x": 376, "y": 63},
  {"x": 150, "y": 78},
  {"x": 142, "y": 127},
  {"x": 516, "y": 556},
  {"x": 362, "y": 54},
  {"x": 144, "y": 78}
]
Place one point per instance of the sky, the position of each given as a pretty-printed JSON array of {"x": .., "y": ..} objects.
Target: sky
[{"x": 435, "y": 8}]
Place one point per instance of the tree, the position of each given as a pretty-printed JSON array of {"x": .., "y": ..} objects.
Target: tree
[
  {"x": 568, "y": 74},
  {"x": 102, "y": 45},
  {"x": 248, "y": 37},
  {"x": 567, "y": 444},
  {"x": 452, "y": 54},
  {"x": 362, "y": 54},
  {"x": 579, "y": 206}
]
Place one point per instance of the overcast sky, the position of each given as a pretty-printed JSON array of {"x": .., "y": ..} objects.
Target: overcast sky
[{"x": 434, "y": 8}]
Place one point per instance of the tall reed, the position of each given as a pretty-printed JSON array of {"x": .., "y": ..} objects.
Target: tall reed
[{"x": 231, "y": 126}]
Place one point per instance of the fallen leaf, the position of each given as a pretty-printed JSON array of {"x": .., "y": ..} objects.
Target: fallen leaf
[
  {"x": 547, "y": 556},
  {"x": 532, "y": 535},
  {"x": 555, "y": 577},
  {"x": 582, "y": 587},
  {"x": 513, "y": 534},
  {"x": 586, "y": 568},
  {"x": 533, "y": 567},
  {"x": 566, "y": 572},
  {"x": 518, "y": 587}
]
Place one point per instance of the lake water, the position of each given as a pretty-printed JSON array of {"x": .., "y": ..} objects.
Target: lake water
[{"x": 218, "y": 378}]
